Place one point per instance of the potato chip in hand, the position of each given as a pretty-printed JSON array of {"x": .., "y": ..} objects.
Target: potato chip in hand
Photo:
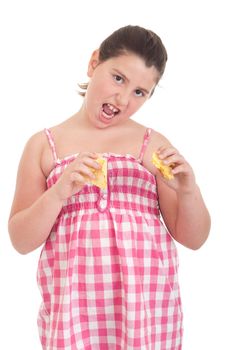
[
  {"x": 166, "y": 170},
  {"x": 100, "y": 174}
]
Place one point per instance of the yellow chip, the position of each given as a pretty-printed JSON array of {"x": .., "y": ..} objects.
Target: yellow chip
[
  {"x": 165, "y": 170},
  {"x": 100, "y": 174}
]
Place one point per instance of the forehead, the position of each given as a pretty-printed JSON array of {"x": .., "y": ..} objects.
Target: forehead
[{"x": 133, "y": 67}]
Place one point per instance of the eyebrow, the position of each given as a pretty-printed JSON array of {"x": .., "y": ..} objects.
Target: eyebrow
[{"x": 124, "y": 77}]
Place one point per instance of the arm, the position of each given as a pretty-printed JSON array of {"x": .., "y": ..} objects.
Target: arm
[
  {"x": 35, "y": 208},
  {"x": 185, "y": 215},
  {"x": 181, "y": 203},
  {"x": 180, "y": 200}
]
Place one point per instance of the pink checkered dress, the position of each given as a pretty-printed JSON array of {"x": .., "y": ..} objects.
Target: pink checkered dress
[{"x": 108, "y": 271}]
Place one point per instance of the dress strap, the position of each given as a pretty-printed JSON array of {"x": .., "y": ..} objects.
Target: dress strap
[
  {"x": 52, "y": 144},
  {"x": 144, "y": 145}
]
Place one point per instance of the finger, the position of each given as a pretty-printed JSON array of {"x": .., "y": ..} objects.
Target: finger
[
  {"x": 174, "y": 159},
  {"x": 84, "y": 170},
  {"x": 166, "y": 152},
  {"x": 77, "y": 177},
  {"x": 88, "y": 159},
  {"x": 180, "y": 169},
  {"x": 93, "y": 155},
  {"x": 92, "y": 163}
]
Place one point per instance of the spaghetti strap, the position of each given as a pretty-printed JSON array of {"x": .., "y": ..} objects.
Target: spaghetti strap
[
  {"x": 144, "y": 145},
  {"x": 52, "y": 144}
]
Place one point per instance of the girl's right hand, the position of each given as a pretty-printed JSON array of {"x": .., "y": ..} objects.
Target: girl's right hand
[{"x": 76, "y": 175}]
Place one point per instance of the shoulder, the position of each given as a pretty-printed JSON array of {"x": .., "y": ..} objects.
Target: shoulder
[
  {"x": 158, "y": 140},
  {"x": 36, "y": 142},
  {"x": 37, "y": 151}
]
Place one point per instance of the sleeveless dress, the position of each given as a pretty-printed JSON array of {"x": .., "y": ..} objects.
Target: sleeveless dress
[{"x": 108, "y": 270}]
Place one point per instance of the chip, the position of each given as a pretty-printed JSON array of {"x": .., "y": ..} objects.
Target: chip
[
  {"x": 166, "y": 170},
  {"x": 100, "y": 174}
]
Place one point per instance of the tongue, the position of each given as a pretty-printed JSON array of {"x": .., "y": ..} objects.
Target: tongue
[{"x": 107, "y": 110}]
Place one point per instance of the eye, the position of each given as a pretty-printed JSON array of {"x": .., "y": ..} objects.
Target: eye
[
  {"x": 139, "y": 92},
  {"x": 118, "y": 78}
]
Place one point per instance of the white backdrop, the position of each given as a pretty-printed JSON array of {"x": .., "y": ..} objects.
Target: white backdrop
[{"x": 45, "y": 46}]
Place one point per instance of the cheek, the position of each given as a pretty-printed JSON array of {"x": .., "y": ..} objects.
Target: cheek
[
  {"x": 137, "y": 103},
  {"x": 93, "y": 91},
  {"x": 133, "y": 107},
  {"x": 98, "y": 88}
]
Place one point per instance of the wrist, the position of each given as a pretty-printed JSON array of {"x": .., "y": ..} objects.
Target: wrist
[
  {"x": 54, "y": 195},
  {"x": 188, "y": 191}
]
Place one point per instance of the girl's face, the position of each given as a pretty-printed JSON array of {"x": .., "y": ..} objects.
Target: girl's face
[{"x": 117, "y": 88}]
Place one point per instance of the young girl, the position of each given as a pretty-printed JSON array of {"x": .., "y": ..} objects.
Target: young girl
[{"x": 108, "y": 268}]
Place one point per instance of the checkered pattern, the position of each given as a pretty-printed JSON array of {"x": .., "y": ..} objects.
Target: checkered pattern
[{"x": 108, "y": 271}]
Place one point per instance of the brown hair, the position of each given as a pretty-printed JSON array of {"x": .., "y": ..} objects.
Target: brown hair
[{"x": 135, "y": 39}]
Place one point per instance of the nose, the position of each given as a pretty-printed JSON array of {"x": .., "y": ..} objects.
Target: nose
[{"x": 122, "y": 99}]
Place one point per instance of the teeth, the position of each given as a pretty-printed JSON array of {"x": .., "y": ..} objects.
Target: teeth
[
  {"x": 107, "y": 116},
  {"x": 112, "y": 108}
]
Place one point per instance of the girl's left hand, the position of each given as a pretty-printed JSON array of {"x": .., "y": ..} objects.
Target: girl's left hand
[{"x": 184, "y": 178}]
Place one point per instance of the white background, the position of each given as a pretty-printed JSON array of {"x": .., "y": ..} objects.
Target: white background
[{"x": 45, "y": 47}]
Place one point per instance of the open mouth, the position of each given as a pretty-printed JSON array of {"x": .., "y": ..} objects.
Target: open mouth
[{"x": 109, "y": 111}]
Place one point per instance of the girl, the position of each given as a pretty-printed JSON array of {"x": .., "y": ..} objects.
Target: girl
[{"x": 108, "y": 268}]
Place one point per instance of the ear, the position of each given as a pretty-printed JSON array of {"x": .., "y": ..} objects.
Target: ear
[{"x": 94, "y": 60}]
